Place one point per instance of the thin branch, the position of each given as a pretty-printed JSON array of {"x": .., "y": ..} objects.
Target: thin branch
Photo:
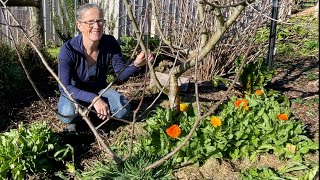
[
  {"x": 142, "y": 45},
  {"x": 215, "y": 5},
  {"x": 165, "y": 40}
]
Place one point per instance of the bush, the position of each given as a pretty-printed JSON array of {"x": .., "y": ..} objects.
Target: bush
[
  {"x": 29, "y": 150},
  {"x": 128, "y": 44},
  {"x": 12, "y": 77}
]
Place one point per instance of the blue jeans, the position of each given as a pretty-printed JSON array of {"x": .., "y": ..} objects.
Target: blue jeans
[{"x": 115, "y": 100}]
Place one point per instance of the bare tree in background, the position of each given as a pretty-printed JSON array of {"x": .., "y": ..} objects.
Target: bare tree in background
[{"x": 193, "y": 38}]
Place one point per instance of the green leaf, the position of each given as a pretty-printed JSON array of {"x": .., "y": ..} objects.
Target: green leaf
[
  {"x": 266, "y": 120},
  {"x": 297, "y": 157},
  {"x": 234, "y": 154},
  {"x": 210, "y": 149},
  {"x": 314, "y": 146},
  {"x": 261, "y": 111},
  {"x": 253, "y": 156},
  {"x": 304, "y": 150},
  {"x": 266, "y": 146},
  {"x": 293, "y": 167}
]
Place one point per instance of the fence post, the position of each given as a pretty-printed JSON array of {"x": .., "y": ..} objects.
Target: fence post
[{"x": 273, "y": 33}]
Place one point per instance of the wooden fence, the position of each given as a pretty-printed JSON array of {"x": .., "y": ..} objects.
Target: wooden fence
[{"x": 118, "y": 23}]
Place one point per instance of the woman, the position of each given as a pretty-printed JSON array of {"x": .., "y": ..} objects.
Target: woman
[{"x": 83, "y": 65}]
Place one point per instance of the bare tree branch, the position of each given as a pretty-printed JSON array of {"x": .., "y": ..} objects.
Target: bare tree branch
[
  {"x": 216, "y": 5},
  {"x": 142, "y": 45}
]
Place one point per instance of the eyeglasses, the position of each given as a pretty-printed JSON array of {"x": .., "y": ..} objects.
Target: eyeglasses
[{"x": 91, "y": 23}]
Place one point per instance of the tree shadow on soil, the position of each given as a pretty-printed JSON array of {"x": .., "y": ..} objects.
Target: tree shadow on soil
[{"x": 303, "y": 66}]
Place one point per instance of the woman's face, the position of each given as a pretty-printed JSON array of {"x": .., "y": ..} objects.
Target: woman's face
[{"x": 91, "y": 24}]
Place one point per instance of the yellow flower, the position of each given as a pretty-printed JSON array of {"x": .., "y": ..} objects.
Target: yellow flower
[
  {"x": 283, "y": 117},
  {"x": 215, "y": 121},
  {"x": 173, "y": 131},
  {"x": 183, "y": 107},
  {"x": 291, "y": 148},
  {"x": 259, "y": 92}
]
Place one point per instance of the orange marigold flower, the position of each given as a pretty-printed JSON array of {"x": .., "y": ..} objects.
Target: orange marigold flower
[
  {"x": 173, "y": 131},
  {"x": 283, "y": 117},
  {"x": 215, "y": 121},
  {"x": 259, "y": 92},
  {"x": 183, "y": 107},
  {"x": 244, "y": 103},
  {"x": 246, "y": 108},
  {"x": 237, "y": 102}
]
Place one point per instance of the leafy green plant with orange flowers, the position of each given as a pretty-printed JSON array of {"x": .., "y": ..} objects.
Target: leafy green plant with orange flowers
[
  {"x": 167, "y": 128},
  {"x": 263, "y": 123},
  {"x": 256, "y": 123}
]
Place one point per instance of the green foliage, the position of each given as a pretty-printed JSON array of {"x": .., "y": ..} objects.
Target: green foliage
[
  {"x": 311, "y": 76},
  {"x": 255, "y": 75},
  {"x": 243, "y": 133},
  {"x": 53, "y": 52},
  {"x": 301, "y": 171},
  {"x": 12, "y": 78},
  {"x": 32, "y": 60},
  {"x": 294, "y": 40},
  {"x": 64, "y": 23},
  {"x": 132, "y": 168},
  {"x": 129, "y": 43},
  {"x": 259, "y": 174},
  {"x": 29, "y": 150},
  {"x": 307, "y": 102}
]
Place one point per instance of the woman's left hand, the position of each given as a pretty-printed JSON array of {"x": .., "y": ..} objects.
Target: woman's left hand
[{"x": 141, "y": 60}]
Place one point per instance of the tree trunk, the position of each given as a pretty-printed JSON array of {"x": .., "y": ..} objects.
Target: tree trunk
[
  {"x": 174, "y": 100},
  {"x": 35, "y": 3}
]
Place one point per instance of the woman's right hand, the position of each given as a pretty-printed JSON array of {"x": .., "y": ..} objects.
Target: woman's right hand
[{"x": 101, "y": 107}]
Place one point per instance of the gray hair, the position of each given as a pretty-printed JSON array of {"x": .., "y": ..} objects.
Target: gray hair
[{"x": 84, "y": 8}]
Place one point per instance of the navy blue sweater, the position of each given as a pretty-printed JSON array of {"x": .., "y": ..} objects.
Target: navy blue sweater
[{"x": 73, "y": 67}]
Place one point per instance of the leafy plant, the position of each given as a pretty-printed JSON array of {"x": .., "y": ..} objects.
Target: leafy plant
[
  {"x": 294, "y": 171},
  {"x": 128, "y": 44},
  {"x": 132, "y": 168},
  {"x": 28, "y": 150},
  {"x": 307, "y": 102},
  {"x": 11, "y": 79},
  {"x": 244, "y": 127},
  {"x": 255, "y": 75},
  {"x": 259, "y": 174},
  {"x": 54, "y": 52}
]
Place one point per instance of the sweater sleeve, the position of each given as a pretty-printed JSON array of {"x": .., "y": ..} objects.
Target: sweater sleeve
[{"x": 66, "y": 68}]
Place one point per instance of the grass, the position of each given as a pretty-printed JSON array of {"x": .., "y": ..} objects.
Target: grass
[
  {"x": 308, "y": 102},
  {"x": 54, "y": 52}
]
